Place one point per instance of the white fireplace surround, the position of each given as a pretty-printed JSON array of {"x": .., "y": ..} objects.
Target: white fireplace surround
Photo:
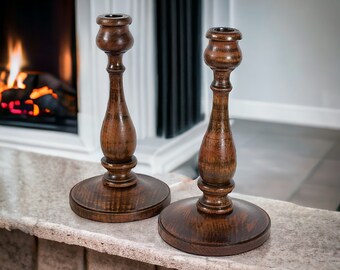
[{"x": 155, "y": 155}]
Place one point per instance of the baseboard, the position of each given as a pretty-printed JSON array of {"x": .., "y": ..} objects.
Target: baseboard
[{"x": 285, "y": 113}]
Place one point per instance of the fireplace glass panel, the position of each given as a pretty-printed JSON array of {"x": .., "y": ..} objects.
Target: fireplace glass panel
[{"x": 38, "y": 65}]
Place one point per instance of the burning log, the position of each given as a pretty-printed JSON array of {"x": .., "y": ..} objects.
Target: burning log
[{"x": 49, "y": 95}]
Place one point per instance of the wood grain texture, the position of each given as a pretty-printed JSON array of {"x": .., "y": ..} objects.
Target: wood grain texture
[
  {"x": 244, "y": 229},
  {"x": 119, "y": 195},
  {"x": 146, "y": 199},
  {"x": 213, "y": 224}
]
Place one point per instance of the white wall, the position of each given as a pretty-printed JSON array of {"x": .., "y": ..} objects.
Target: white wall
[{"x": 291, "y": 60}]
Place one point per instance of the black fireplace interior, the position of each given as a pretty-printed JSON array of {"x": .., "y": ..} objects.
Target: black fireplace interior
[{"x": 38, "y": 65}]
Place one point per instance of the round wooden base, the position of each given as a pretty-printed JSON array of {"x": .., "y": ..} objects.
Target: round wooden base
[
  {"x": 182, "y": 226},
  {"x": 92, "y": 200}
]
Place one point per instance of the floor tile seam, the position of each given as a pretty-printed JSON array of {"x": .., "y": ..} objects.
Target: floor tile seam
[
  {"x": 309, "y": 175},
  {"x": 337, "y": 143}
]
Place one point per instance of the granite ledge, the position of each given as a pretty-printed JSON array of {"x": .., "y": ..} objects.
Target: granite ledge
[{"x": 300, "y": 237}]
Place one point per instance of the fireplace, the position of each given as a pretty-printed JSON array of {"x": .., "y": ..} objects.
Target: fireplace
[
  {"x": 38, "y": 71},
  {"x": 155, "y": 154}
]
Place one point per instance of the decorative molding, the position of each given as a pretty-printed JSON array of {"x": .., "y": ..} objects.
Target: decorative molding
[{"x": 285, "y": 113}]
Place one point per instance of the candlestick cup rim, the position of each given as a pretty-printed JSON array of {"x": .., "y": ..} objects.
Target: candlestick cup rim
[
  {"x": 111, "y": 19},
  {"x": 224, "y": 34}
]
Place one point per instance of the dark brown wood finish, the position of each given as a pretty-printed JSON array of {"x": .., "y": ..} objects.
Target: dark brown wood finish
[
  {"x": 213, "y": 224},
  {"x": 119, "y": 195}
]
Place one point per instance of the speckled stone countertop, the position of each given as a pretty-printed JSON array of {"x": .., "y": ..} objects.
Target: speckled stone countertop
[{"x": 34, "y": 192}]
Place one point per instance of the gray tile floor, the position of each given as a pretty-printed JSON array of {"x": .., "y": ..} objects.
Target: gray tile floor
[{"x": 292, "y": 163}]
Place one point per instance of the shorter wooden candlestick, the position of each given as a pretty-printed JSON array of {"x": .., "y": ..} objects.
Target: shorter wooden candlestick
[
  {"x": 215, "y": 225},
  {"x": 119, "y": 195}
]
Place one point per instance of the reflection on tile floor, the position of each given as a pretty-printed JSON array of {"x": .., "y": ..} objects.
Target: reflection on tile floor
[{"x": 286, "y": 162}]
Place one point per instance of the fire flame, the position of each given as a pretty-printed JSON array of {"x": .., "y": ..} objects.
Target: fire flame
[
  {"x": 15, "y": 81},
  {"x": 16, "y": 61}
]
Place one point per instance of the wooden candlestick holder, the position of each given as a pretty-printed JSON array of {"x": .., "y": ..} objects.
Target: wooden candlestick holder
[
  {"x": 215, "y": 225},
  {"x": 119, "y": 195}
]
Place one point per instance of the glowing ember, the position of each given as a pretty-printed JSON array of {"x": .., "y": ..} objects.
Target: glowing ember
[
  {"x": 37, "y": 93},
  {"x": 14, "y": 80}
]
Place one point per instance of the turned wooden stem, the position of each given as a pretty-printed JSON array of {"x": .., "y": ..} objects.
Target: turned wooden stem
[
  {"x": 213, "y": 225},
  {"x": 217, "y": 157},
  {"x": 118, "y": 135},
  {"x": 119, "y": 195}
]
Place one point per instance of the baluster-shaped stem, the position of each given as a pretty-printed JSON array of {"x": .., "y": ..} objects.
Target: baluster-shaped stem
[
  {"x": 217, "y": 157},
  {"x": 213, "y": 224},
  {"x": 118, "y": 135},
  {"x": 119, "y": 195}
]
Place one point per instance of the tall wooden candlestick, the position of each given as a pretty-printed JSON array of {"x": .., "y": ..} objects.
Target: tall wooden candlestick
[
  {"x": 215, "y": 225},
  {"x": 120, "y": 195}
]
